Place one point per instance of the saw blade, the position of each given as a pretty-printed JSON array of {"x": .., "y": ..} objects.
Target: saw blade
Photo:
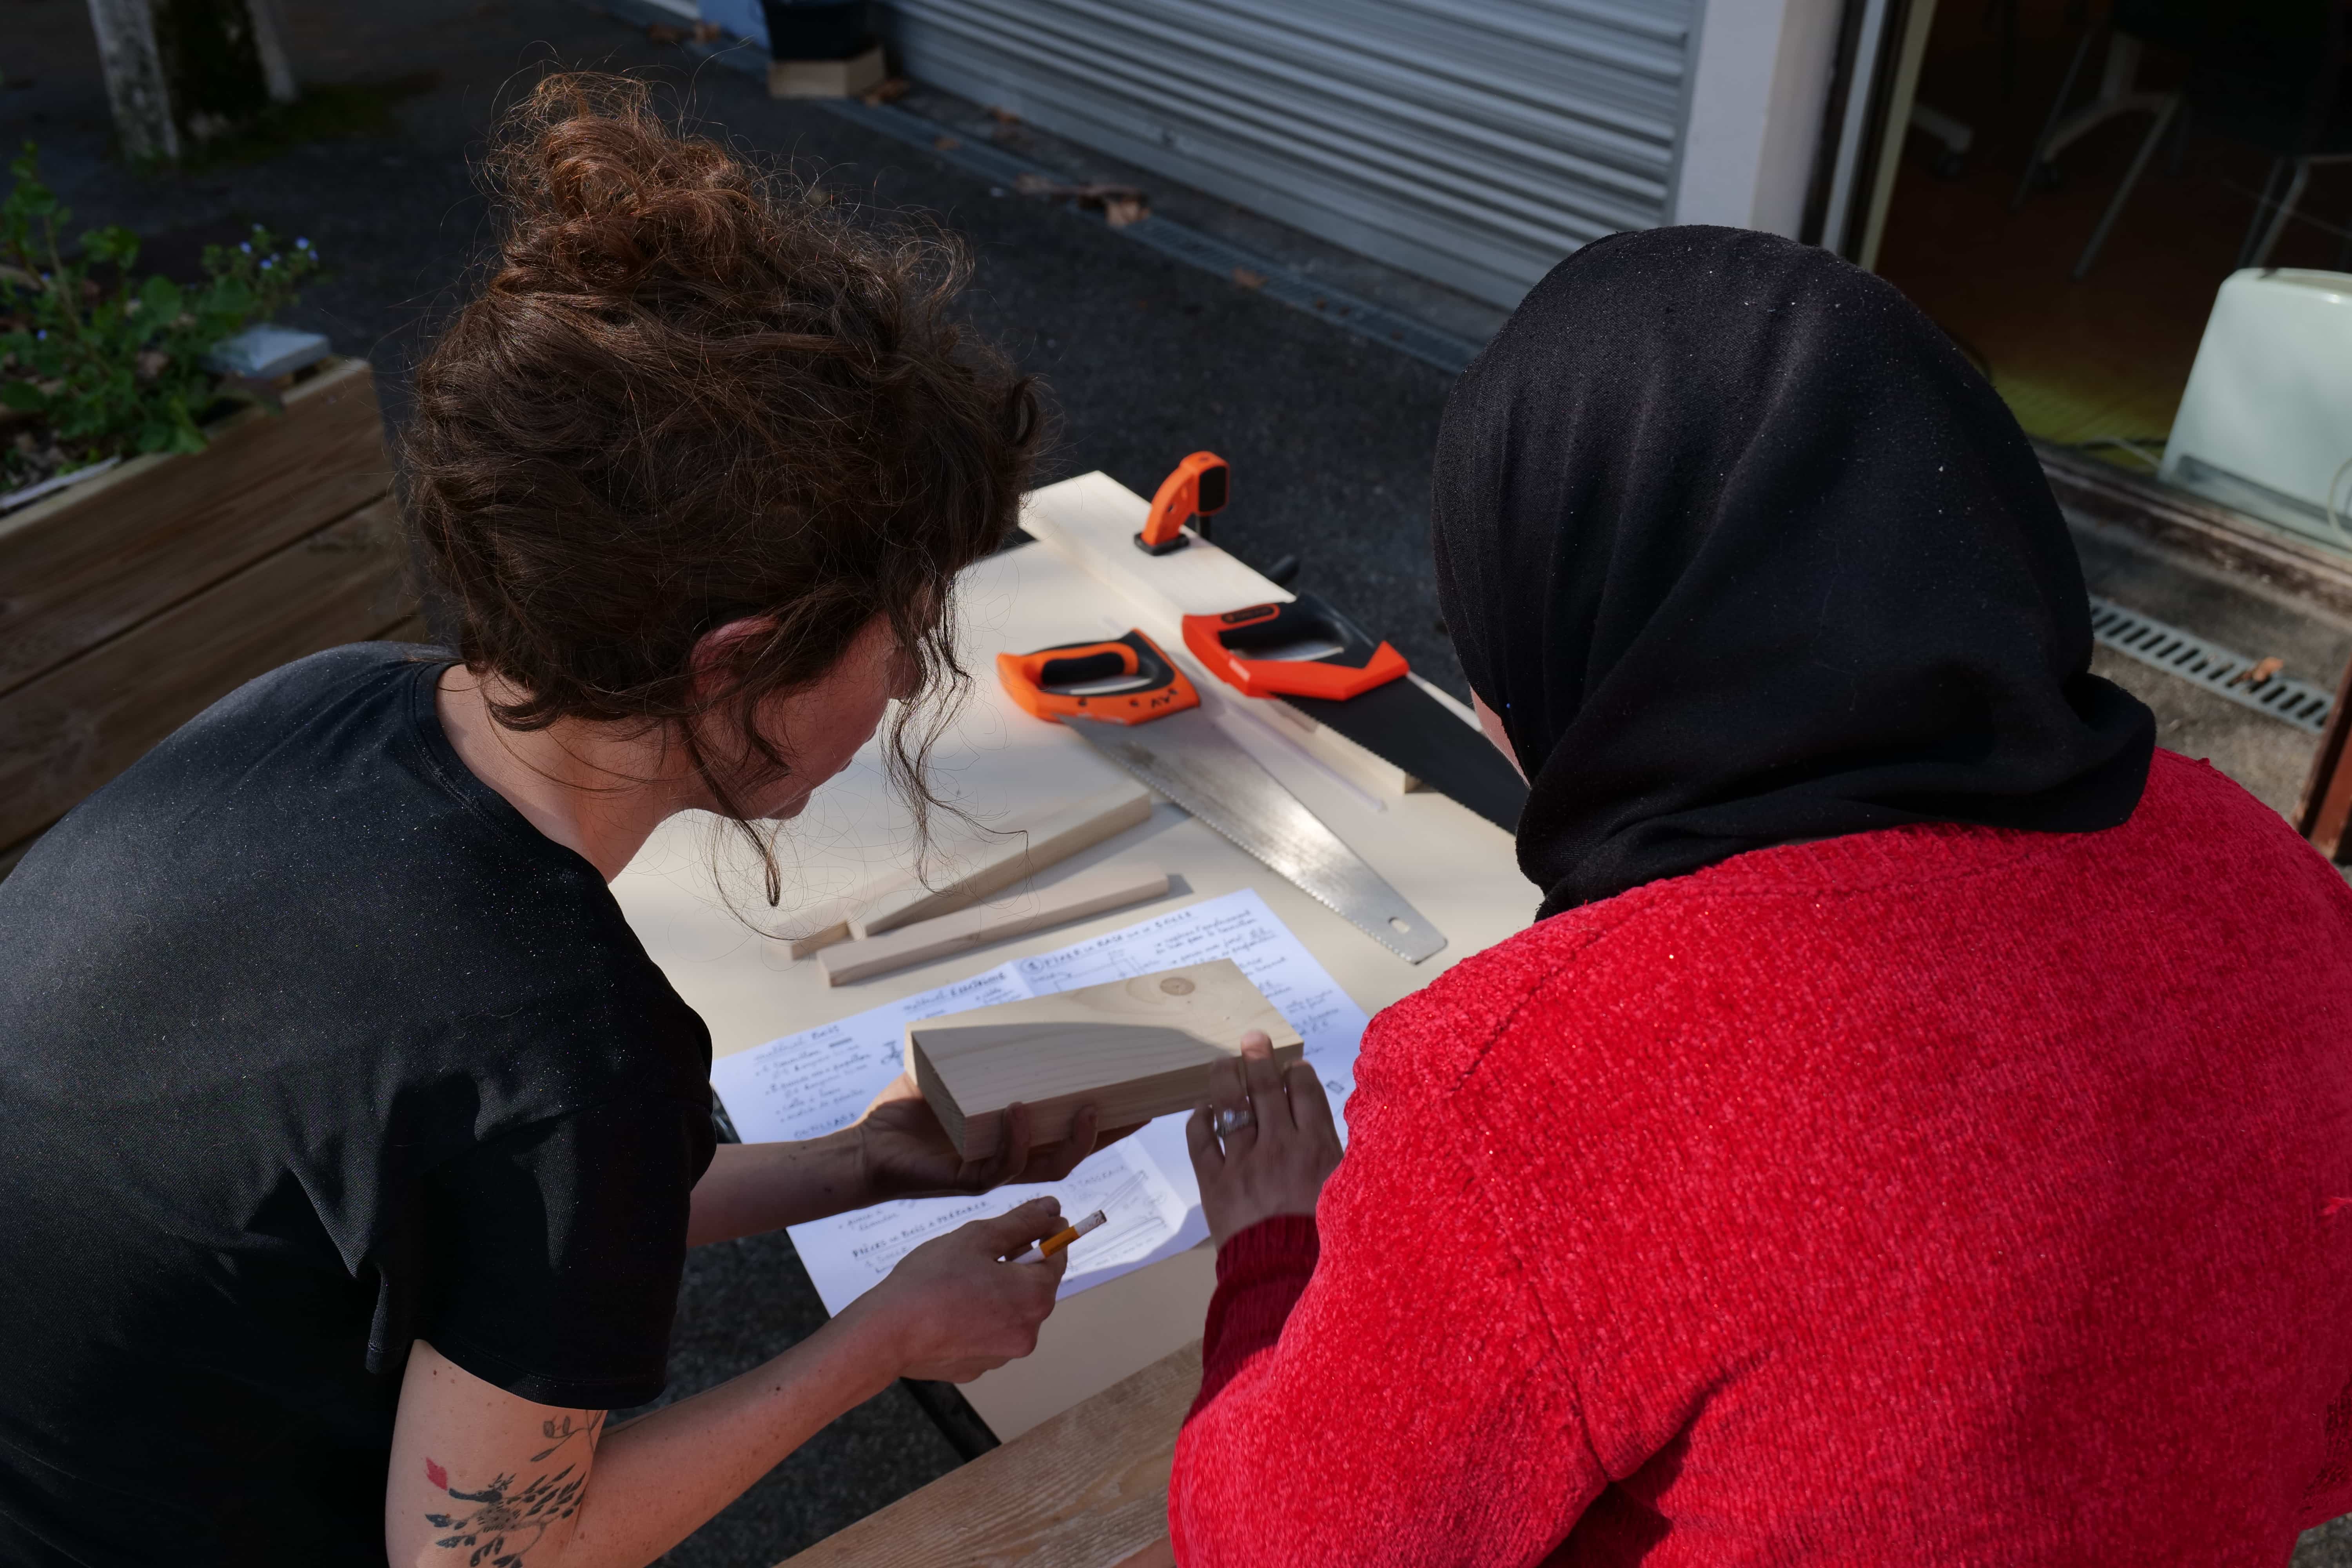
[
  {"x": 1407, "y": 726},
  {"x": 1188, "y": 759}
]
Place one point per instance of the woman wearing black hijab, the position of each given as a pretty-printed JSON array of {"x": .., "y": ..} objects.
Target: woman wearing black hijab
[{"x": 1910, "y": 1133}]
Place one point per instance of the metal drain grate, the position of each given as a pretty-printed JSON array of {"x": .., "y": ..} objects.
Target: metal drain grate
[{"x": 2192, "y": 657}]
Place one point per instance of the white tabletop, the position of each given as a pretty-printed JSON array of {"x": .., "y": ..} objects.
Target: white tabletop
[{"x": 1454, "y": 867}]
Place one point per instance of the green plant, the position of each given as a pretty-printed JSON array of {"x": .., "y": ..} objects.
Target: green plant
[{"x": 95, "y": 369}]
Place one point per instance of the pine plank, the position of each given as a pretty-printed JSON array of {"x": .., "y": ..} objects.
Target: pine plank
[
  {"x": 1133, "y": 1048},
  {"x": 1085, "y": 1490},
  {"x": 69, "y": 732},
  {"x": 1089, "y": 893},
  {"x": 89, "y": 562},
  {"x": 1020, "y": 849},
  {"x": 977, "y": 857}
]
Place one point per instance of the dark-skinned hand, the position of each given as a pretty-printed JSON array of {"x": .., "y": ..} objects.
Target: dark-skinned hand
[
  {"x": 1265, "y": 1143},
  {"x": 905, "y": 1152}
]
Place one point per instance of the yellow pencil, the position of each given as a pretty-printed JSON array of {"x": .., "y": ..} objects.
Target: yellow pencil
[{"x": 1061, "y": 1238}]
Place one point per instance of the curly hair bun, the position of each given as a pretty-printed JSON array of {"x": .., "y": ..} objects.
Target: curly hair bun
[{"x": 687, "y": 392}]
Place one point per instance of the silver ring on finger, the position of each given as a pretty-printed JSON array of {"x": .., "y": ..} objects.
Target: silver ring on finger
[{"x": 1234, "y": 1118}]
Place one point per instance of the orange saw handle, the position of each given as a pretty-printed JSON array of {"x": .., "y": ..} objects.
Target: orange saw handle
[
  {"x": 1039, "y": 681},
  {"x": 1200, "y": 486},
  {"x": 1224, "y": 643}
]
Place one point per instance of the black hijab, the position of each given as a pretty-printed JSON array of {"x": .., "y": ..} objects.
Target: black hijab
[{"x": 1744, "y": 552}]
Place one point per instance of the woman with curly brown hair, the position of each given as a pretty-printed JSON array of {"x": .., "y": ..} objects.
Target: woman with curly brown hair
[{"x": 354, "y": 1143}]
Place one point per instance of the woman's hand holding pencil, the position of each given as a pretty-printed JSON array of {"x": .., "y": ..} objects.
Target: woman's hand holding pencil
[
  {"x": 1061, "y": 1238},
  {"x": 951, "y": 1311}
]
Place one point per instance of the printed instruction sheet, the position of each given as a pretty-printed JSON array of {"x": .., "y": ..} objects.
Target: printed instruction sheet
[{"x": 818, "y": 1080}]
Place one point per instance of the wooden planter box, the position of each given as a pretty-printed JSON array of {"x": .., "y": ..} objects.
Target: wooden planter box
[{"x": 131, "y": 602}]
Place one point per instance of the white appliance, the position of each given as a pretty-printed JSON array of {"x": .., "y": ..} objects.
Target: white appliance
[{"x": 2266, "y": 423}]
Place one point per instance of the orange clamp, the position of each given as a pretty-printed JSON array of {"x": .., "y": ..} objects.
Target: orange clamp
[{"x": 1200, "y": 486}]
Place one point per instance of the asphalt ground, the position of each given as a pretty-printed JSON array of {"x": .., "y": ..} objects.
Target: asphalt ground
[{"x": 1147, "y": 359}]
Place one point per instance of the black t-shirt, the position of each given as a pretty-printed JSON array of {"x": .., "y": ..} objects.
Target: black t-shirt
[{"x": 312, "y": 1047}]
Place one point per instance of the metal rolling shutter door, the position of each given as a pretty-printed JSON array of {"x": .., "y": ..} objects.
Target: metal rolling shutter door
[{"x": 1472, "y": 141}]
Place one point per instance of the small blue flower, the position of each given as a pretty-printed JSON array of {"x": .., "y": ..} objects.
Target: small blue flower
[
  {"x": 266, "y": 261},
  {"x": 44, "y": 332},
  {"x": 247, "y": 247},
  {"x": 301, "y": 245}
]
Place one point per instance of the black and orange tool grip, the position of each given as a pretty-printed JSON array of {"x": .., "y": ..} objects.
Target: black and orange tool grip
[
  {"x": 1225, "y": 642},
  {"x": 1039, "y": 681},
  {"x": 1200, "y": 486}
]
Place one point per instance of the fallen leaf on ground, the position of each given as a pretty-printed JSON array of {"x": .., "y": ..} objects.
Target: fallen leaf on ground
[
  {"x": 706, "y": 32},
  {"x": 945, "y": 144},
  {"x": 889, "y": 90},
  {"x": 1119, "y": 205},
  {"x": 1247, "y": 278},
  {"x": 1004, "y": 116},
  {"x": 2256, "y": 673},
  {"x": 663, "y": 33}
]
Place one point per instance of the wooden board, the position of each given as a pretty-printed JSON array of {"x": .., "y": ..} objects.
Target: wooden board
[
  {"x": 75, "y": 727},
  {"x": 96, "y": 558},
  {"x": 1089, "y": 893},
  {"x": 1023, "y": 848},
  {"x": 827, "y": 79},
  {"x": 966, "y": 858},
  {"x": 1134, "y": 1048},
  {"x": 1085, "y": 1490},
  {"x": 1457, "y": 868},
  {"x": 1092, "y": 518},
  {"x": 1367, "y": 770}
]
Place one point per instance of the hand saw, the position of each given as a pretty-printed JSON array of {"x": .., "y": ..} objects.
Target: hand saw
[
  {"x": 1128, "y": 701},
  {"x": 1310, "y": 656}
]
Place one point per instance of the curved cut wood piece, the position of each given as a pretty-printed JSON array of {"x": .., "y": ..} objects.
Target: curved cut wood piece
[
  {"x": 1018, "y": 849},
  {"x": 1133, "y": 1048},
  {"x": 1088, "y": 893},
  {"x": 1087, "y": 1490}
]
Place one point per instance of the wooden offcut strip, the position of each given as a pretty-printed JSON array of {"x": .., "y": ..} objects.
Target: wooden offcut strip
[
  {"x": 1023, "y": 847},
  {"x": 1019, "y": 850},
  {"x": 1091, "y": 893},
  {"x": 1085, "y": 1490},
  {"x": 1134, "y": 1050}
]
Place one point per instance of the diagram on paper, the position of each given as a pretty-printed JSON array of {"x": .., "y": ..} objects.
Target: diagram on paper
[{"x": 819, "y": 1081}]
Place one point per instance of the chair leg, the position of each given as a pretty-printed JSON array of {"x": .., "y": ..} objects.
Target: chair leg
[
  {"x": 2049, "y": 122},
  {"x": 2270, "y": 181},
  {"x": 2279, "y": 215},
  {"x": 2131, "y": 177}
]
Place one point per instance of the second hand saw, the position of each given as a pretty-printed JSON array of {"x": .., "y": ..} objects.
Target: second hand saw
[
  {"x": 1309, "y": 655},
  {"x": 1131, "y": 703}
]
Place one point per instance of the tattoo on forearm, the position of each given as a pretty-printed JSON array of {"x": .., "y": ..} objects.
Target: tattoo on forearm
[
  {"x": 504, "y": 1522},
  {"x": 563, "y": 1431}
]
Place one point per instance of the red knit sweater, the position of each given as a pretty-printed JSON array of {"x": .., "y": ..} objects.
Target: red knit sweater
[{"x": 1937, "y": 1195}]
